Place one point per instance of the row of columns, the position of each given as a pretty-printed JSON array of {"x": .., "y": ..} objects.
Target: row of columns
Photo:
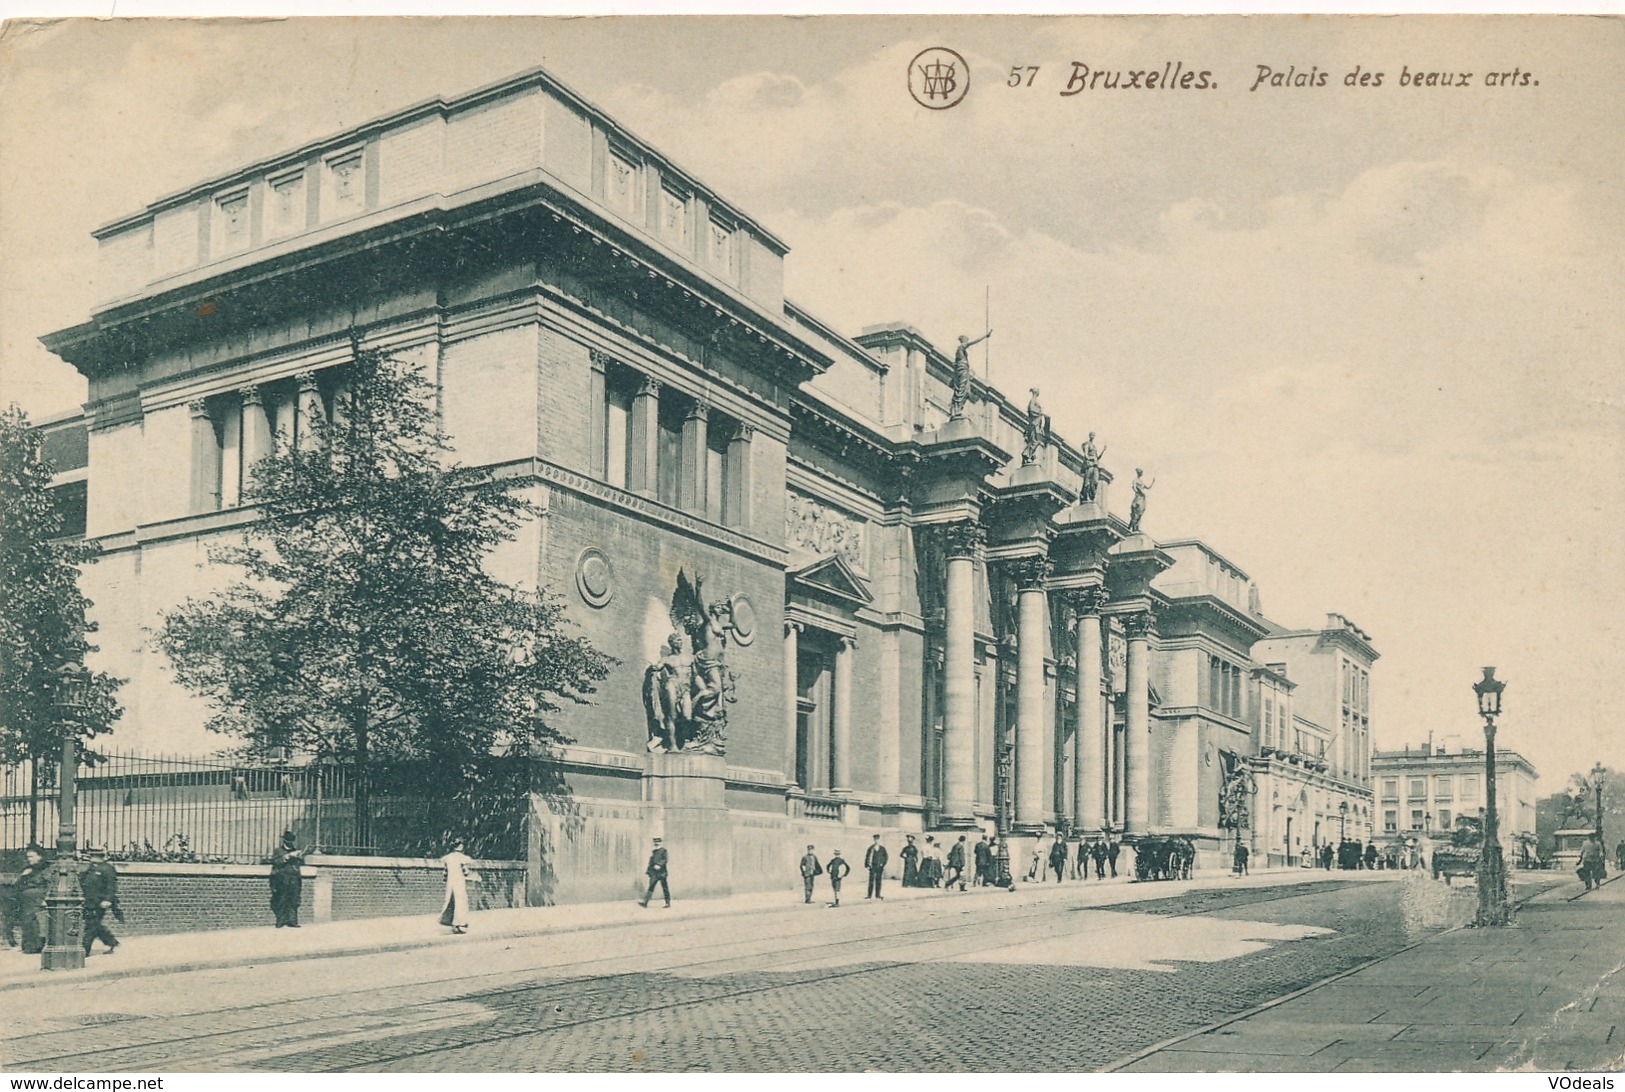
[
  {"x": 254, "y": 436},
  {"x": 1092, "y": 742}
]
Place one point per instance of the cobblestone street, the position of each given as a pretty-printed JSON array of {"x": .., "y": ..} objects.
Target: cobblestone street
[{"x": 981, "y": 981}]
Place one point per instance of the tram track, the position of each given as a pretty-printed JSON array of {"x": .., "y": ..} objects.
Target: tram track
[{"x": 575, "y": 984}]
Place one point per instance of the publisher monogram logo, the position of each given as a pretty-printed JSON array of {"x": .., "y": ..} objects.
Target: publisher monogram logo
[{"x": 938, "y": 78}]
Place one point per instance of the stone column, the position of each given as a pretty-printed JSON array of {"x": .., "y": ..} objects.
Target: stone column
[
  {"x": 308, "y": 406},
  {"x": 691, "y": 489},
  {"x": 792, "y": 697},
  {"x": 597, "y": 414},
  {"x": 1031, "y": 609},
  {"x": 205, "y": 459},
  {"x": 1091, "y": 755},
  {"x": 964, "y": 540},
  {"x": 641, "y": 475},
  {"x": 1137, "y": 729},
  {"x": 736, "y": 504},
  {"x": 256, "y": 438},
  {"x": 840, "y": 732}
]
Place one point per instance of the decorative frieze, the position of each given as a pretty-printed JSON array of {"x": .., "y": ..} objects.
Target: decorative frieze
[{"x": 816, "y": 526}]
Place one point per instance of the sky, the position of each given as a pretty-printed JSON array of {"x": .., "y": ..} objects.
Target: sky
[{"x": 1366, "y": 339}]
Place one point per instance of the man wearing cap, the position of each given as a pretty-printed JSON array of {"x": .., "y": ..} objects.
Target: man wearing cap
[
  {"x": 287, "y": 881},
  {"x": 874, "y": 859},
  {"x": 810, "y": 871},
  {"x": 838, "y": 869},
  {"x": 99, "y": 885},
  {"x": 657, "y": 875}
]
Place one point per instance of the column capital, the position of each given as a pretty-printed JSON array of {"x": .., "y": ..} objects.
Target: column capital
[
  {"x": 600, "y": 359},
  {"x": 1140, "y": 624},
  {"x": 650, "y": 386},
  {"x": 306, "y": 381},
  {"x": 252, "y": 395},
  {"x": 743, "y": 431},
  {"x": 699, "y": 411},
  {"x": 793, "y": 626},
  {"x": 1086, "y": 601},
  {"x": 846, "y": 642},
  {"x": 199, "y": 407},
  {"x": 1031, "y": 573},
  {"x": 963, "y": 539}
]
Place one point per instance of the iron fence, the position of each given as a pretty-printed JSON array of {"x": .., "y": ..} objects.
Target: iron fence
[{"x": 173, "y": 808}]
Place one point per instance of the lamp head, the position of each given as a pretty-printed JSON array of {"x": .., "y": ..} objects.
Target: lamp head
[{"x": 1489, "y": 690}]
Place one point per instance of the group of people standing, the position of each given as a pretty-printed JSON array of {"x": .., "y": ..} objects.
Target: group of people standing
[
  {"x": 25, "y": 914},
  {"x": 288, "y": 884},
  {"x": 1101, "y": 853}
]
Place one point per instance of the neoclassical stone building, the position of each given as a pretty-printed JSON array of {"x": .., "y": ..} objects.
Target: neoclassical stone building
[{"x": 927, "y": 608}]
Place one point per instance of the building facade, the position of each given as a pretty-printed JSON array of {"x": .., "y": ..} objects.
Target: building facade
[
  {"x": 1428, "y": 790},
  {"x": 925, "y": 603}
]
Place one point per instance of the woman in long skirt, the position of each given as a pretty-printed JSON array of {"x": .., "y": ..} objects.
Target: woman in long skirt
[{"x": 455, "y": 912}]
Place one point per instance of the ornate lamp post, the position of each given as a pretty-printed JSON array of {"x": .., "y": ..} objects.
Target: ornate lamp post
[
  {"x": 1492, "y": 877},
  {"x": 1343, "y": 814},
  {"x": 1597, "y": 773},
  {"x": 1002, "y": 812},
  {"x": 64, "y": 906}
]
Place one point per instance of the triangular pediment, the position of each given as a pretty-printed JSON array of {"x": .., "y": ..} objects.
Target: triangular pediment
[{"x": 833, "y": 575}]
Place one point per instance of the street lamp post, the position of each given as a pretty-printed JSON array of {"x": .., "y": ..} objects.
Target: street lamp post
[
  {"x": 1492, "y": 877},
  {"x": 1597, "y": 773},
  {"x": 64, "y": 906}
]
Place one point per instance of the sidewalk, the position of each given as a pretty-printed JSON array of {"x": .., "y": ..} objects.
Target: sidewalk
[
  {"x": 170, "y": 953},
  {"x": 1546, "y": 994}
]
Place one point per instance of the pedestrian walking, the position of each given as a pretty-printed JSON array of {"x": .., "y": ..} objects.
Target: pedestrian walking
[
  {"x": 1593, "y": 867},
  {"x": 287, "y": 881},
  {"x": 1112, "y": 850},
  {"x": 32, "y": 883},
  {"x": 1619, "y": 855},
  {"x": 458, "y": 872},
  {"x": 875, "y": 861},
  {"x": 1035, "y": 864},
  {"x": 1370, "y": 855},
  {"x": 810, "y": 871},
  {"x": 910, "y": 853},
  {"x": 956, "y": 865},
  {"x": 1057, "y": 858},
  {"x": 1240, "y": 862},
  {"x": 1097, "y": 853},
  {"x": 838, "y": 868},
  {"x": 979, "y": 855},
  {"x": 98, "y": 883},
  {"x": 656, "y": 871}
]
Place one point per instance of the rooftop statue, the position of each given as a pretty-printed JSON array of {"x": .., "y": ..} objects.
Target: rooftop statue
[{"x": 961, "y": 394}]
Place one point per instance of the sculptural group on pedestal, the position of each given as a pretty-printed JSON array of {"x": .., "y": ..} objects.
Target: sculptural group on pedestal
[{"x": 686, "y": 693}]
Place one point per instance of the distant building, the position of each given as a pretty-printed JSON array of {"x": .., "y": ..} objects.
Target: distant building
[{"x": 1426, "y": 791}]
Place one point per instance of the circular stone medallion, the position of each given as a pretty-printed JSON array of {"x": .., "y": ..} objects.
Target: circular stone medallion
[{"x": 595, "y": 577}]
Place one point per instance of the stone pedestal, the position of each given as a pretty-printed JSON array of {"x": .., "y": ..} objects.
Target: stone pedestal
[{"x": 684, "y": 800}]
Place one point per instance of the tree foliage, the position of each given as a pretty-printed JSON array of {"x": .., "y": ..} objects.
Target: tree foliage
[
  {"x": 44, "y": 617},
  {"x": 366, "y": 626}
]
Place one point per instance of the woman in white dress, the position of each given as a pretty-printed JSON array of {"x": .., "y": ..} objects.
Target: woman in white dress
[{"x": 458, "y": 873}]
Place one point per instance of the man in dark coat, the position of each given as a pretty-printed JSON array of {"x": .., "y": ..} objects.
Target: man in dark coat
[
  {"x": 1057, "y": 857},
  {"x": 656, "y": 871},
  {"x": 911, "y": 863},
  {"x": 287, "y": 883},
  {"x": 99, "y": 885},
  {"x": 980, "y": 854},
  {"x": 32, "y": 884},
  {"x": 1112, "y": 850},
  {"x": 1098, "y": 852},
  {"x": 838, "y": 868},
  {"x": 810, "y": 871},
  {"x": 956, "y": 865},
  {"x": 1370, "y": 855},
  {"x": 874, "y": 859}
]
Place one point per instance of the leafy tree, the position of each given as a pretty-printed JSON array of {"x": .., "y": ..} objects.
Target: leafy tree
[
  {"x": 44, "y": 623},
  {"x": 366, "y": 627}
]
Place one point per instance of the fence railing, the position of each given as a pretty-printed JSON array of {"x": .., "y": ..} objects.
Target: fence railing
[{"x": 189, "y": 809}]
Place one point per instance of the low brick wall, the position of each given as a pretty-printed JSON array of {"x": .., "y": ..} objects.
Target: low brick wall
[{"x": 178, "y": 898}]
